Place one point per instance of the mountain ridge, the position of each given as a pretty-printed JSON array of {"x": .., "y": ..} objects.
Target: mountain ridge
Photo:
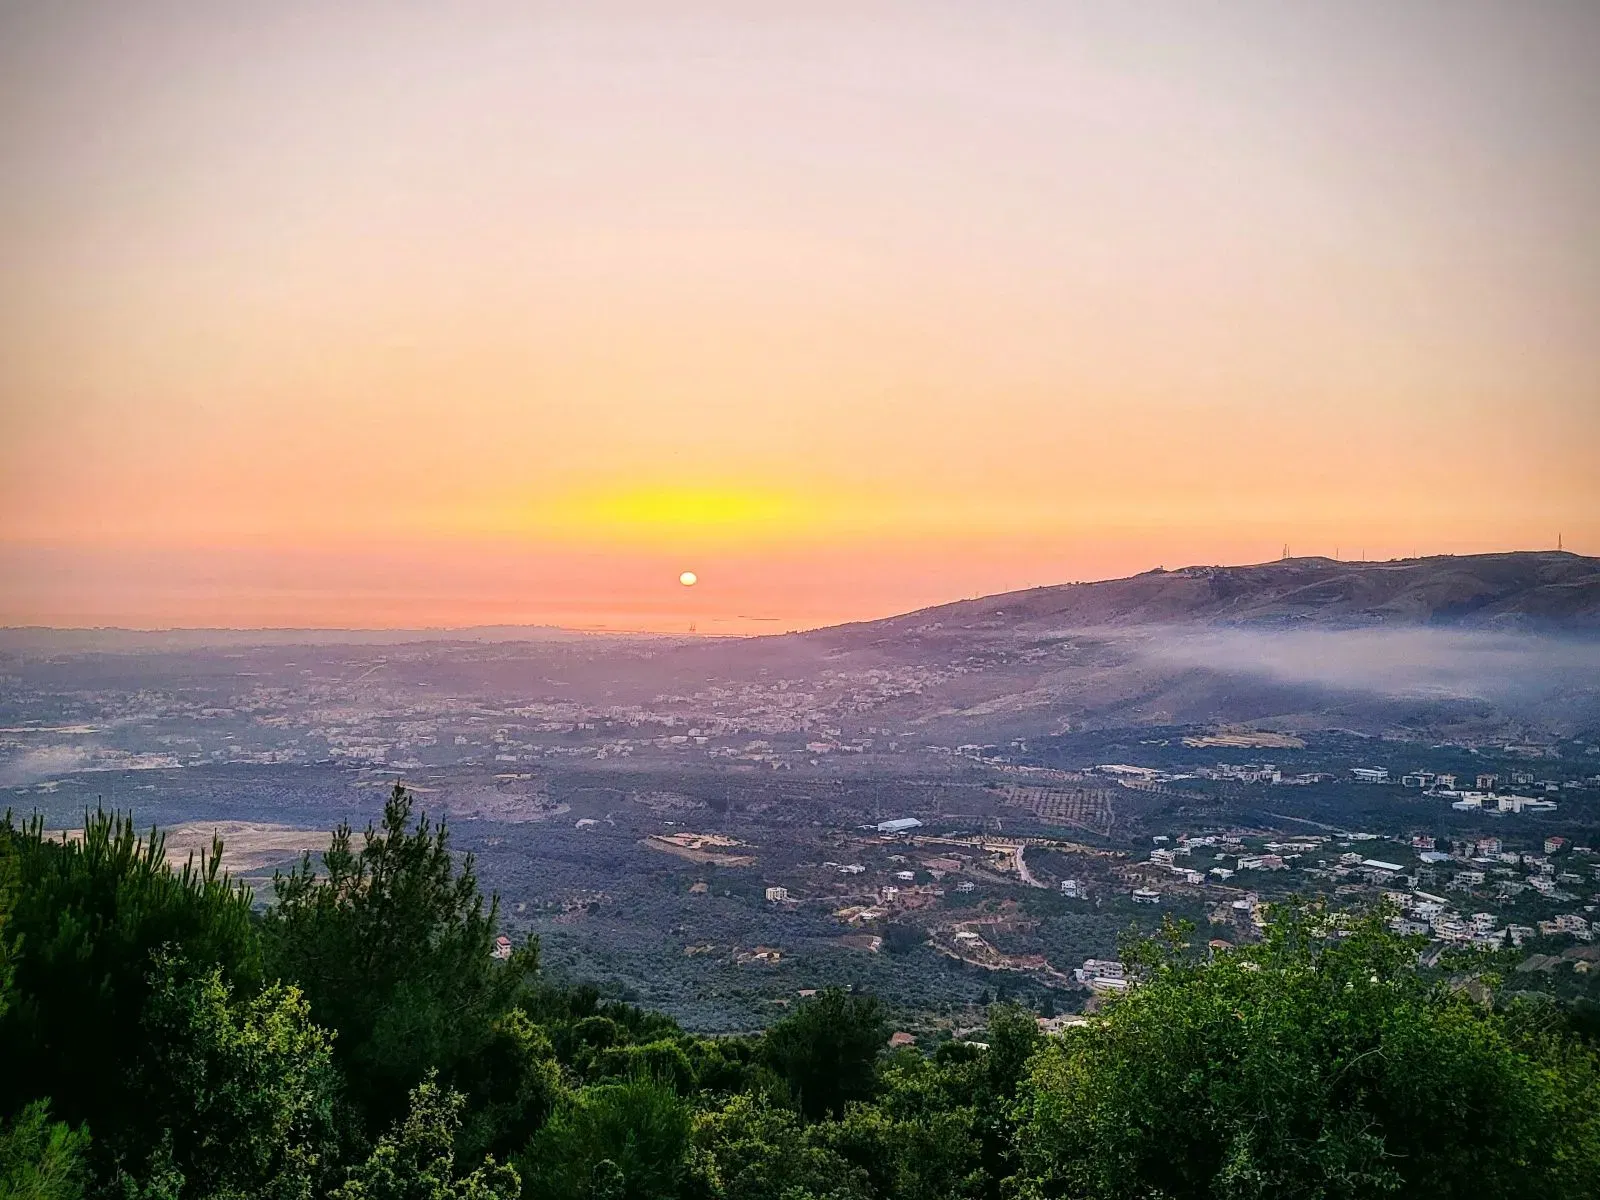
[{"x": 1551, "y": 590}]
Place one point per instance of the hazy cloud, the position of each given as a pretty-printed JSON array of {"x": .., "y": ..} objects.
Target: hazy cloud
[
  {"x": 42, "y": 762},
  {"x": 1407, "y": 663}
]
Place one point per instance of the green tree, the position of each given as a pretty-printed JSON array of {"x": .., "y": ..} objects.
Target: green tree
[
  {"x": 86, "y": 918},
  {"x": 391, "y": 944},
  {"x": 962, "y": 1098},
  {"x": 751, "y": 1150},
  {"x": 901, "y": 937},
  {"x": 828, "y": 1050},
  {"x": 917, "y": 1155},
  {"x": 236, "y": 1094},
  {"x": 661, "y": 1060},
  {"x": 1013, "y": 1037},
  {"x": 40, "y": 1159},
  {"x": 512, "y": 1083},
  {"x": 727, "y": 1066},
  {"x": 606, "y": 1181},
  {"x": 638, "y": 1129},
  {"x": 1316, "y": 1064},
  {"x": 8, "y": 901},
  {"x": 416, "y": 1160}
]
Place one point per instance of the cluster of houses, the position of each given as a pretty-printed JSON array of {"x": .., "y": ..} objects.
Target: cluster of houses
[
  {"x": 1481, "y": 798},
  {"x": 1487, "y": 862},
  {"x": 1260, "y": 773},
  {"x": 1430, "y": 915},
  {"x": 1275, "y": 857},
  {"x": 1476, "y": 867},
  {"x": 1238, "y": 773},
  {"x": 1103, "y": 975}
]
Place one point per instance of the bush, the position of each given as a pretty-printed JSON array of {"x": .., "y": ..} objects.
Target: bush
[
  {"x": 88, "y": 917},
  {"x": 237, "y": 1093},
  {"x": 1310, "y": 1065},
  {"x": 828, "y": 1049},
  {"x": 635, "y": 1134},
  {"x": 391, "y": 944}
]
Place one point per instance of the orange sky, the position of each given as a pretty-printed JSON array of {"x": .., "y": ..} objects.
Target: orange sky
[{"x": 372, "y": 314}]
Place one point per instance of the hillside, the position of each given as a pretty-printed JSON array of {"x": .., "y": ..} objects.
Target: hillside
[
  {"x": 1547, "y": 590},
  {"x": 1468, "y": 647}
]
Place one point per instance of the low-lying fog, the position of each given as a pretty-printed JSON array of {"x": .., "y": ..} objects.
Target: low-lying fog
[{"x": 1431, "y": 664}]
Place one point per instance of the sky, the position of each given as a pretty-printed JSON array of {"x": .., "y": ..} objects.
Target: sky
[{"x": 389, "y": 314}]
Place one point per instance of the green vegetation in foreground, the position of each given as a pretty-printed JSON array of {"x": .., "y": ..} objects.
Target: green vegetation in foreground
[{"x": 359, "y": 1042}]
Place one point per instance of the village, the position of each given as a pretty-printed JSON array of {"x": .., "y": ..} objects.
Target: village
[{"x": 985, "y": 900}]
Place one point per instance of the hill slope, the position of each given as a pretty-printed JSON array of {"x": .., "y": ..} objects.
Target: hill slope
[
  {"x": 1457, "y": 646},
  {"x": 1552, "y": 590}
]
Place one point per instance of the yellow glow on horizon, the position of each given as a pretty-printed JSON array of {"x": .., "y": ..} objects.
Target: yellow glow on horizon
[
  {"x": 689, "y": 509},
  {"x": 721, "y": 513},
  {"x": 740, "y": 515}
]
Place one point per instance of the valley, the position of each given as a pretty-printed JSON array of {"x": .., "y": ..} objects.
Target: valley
[{"x": 695, "y": 824}]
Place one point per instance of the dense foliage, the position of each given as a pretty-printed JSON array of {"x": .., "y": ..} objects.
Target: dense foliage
[
  {"x": 1309, "y": 1065},
  {"x": 390, "y": 943},
  {"x": 359, "y": 1041}
]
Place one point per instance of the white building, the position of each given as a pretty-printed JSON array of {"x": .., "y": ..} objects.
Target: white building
[
  {"x": 1520, "y": 804},
  {"x": 1125, "y": 771},
  {"x": 777, "y": 894},
  {"x": 1098, "y": 968},
  {"x": 899, "y": 825}
]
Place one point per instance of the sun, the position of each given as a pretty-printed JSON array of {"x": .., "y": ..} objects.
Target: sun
[{"x": 688, "y": 579}]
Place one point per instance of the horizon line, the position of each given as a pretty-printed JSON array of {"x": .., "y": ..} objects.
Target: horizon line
[{"x": 620, "y": 631}]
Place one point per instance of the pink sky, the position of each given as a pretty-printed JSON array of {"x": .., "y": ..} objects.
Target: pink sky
[{"x": 377, "y": 315}]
